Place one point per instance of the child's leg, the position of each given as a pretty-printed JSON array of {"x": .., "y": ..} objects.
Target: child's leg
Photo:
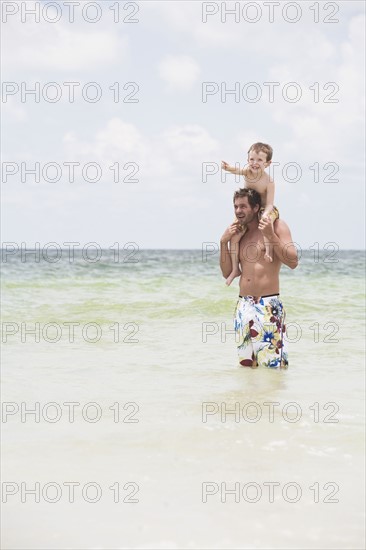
[
  {"x": 234, "y": 254},
  {"x": 269, "y": 250},
  {"x": 268, "y": 255}
]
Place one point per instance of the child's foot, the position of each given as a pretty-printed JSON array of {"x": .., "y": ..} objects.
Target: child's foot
[
  {"x": 235, "y": 273},
  {"x": 267, "y": 257}
]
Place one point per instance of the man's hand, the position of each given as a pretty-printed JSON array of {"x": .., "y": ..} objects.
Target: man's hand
[
  {"x": 231, "y": 231},
  {"x": 224, "y": 165},
  {"x": 266, "y": 227}
]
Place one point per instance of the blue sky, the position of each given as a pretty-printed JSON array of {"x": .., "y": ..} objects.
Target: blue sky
[{"x": 170, "y": 132}]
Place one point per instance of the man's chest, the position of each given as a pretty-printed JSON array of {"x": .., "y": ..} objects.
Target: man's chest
[{"x": 252, "y": 246}]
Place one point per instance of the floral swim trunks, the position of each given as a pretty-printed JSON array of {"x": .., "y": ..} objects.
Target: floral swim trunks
[{"x": 260, "y": 329}]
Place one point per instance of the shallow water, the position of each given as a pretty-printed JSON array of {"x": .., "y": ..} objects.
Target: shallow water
[{"x": 174, "y": 369}]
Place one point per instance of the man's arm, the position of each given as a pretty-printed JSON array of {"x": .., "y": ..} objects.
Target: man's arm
[
  {"x": 225, "y": 258},
  {"x": 281, "y": 240}
]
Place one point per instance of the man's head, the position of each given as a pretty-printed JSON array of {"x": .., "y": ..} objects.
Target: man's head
[
  {"x": 247, "y": 203},
  {"x": 260, "y": 155}
]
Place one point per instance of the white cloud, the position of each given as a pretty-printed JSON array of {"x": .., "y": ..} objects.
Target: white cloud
[
  {"x": 185, "y": 143},
  {"x": 117, "y": 141},
  {"x": 179, "y": 72},
  {"x": 120, "y": 137},
  {"x": 13, "y": 111},
  {"x": 44, "y": 47},
  {"x": 176, "y": 152},
  {"x": 328, "y": 127}
]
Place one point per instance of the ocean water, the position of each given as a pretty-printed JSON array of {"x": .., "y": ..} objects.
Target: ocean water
[{"x": 130, "y": 369}]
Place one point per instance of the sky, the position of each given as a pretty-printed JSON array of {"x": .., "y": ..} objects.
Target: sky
[{"x": 137, "y": 103}]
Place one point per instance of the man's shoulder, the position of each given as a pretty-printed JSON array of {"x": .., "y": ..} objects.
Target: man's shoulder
[
  {"x": 282, "y": 230},
  {"x": 280, "y": 225}
]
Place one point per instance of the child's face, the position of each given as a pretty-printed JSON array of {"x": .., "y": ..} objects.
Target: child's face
[{"x": 258, "y": 160}]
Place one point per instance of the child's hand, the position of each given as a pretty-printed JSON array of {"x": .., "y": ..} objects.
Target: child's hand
[
  {"x": 266, "y": 227},
  {"x": 233, "y": 229},
  {"x": 224, "y": 165}
]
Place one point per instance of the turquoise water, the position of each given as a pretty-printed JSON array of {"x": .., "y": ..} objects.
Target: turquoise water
[{"x": 173, "y": 354}]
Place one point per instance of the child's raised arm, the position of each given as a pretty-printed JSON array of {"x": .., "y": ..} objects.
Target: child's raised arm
[
  {"x": 269, "y": 197},
  {"x": 233, "y": 170}
]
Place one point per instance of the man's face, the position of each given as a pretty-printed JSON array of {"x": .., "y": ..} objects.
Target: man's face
[
  {"x": 258, "y": 160},
  {"x": 243, "y": 211}
]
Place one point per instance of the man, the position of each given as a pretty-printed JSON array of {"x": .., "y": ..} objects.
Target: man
[{"x": 260, "y": 316}]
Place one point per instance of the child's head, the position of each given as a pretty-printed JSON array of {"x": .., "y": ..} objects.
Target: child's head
[{"x": 261, "y": 148}]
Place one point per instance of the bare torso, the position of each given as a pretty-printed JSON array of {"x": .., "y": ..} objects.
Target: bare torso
[
  {"x": 260, "y": 186},
  {"x": 259, "y": 278}
]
